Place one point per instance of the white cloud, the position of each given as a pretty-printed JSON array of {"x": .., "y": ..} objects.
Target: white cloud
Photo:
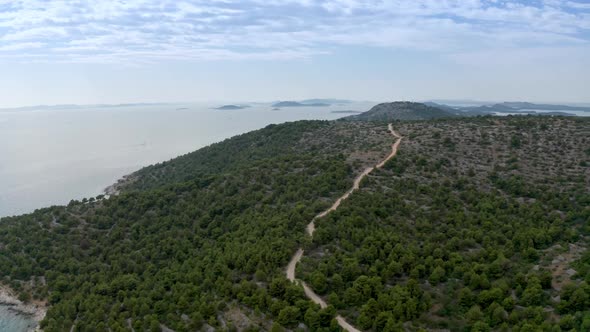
[
  {"x": 35, "y": 34},
  {"x": 265, "y": 29},
  {"x": 20, "y": 46}
]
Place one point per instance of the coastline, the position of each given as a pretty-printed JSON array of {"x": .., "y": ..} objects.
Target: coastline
[
  {"x": 35, "y": 309},
  {"x": 115, "y": 188}
]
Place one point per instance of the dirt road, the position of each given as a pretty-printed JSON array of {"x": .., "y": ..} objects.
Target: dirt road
[{"x": 311, "y": 229}]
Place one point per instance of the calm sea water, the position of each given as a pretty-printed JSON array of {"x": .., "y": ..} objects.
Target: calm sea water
[
  {"x": 11, "y": 321},
  {"x": 50, "y": 156}
]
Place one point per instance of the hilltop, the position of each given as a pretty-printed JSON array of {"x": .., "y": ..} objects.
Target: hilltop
[{"x": 402, "y": 110}]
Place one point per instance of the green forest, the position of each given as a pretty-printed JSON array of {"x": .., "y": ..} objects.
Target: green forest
[
  {"x": 192, "y": 239},
  {"x": 459, "y": 231},
  {"x": 478, "y": 224}
]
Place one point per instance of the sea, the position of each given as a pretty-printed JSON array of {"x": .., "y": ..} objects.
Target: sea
[
  {"x": 11, "y": 321},
  {"x": 50, "y": 155}
]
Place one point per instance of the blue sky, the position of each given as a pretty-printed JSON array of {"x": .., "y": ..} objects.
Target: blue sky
[{"x": 105, "y": 51}]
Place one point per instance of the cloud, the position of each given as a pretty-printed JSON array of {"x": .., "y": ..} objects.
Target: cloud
[
  {"x": 21, "y": 46},
  {"x": 146, "y": 30}
]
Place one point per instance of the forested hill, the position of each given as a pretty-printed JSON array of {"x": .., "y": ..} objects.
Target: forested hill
[
  {"x": 201, "y": 240},
  {"x": 359, "y": 144},
  {"x": 477, "y": 224},
  {"x": 402, "y": 110}
]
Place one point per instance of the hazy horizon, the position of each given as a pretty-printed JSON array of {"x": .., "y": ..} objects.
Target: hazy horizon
[{"x": 213, "y": 103}]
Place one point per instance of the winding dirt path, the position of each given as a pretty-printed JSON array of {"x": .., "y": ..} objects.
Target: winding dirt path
[{"x": 311, "y": 229}]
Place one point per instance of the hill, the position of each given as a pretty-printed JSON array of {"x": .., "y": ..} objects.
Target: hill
[
  {"x": 472, "y": 226},
  {"x": 195, "y": 241},
  {"x": 402, "y": 111},
  {"x": 476, "y": 224}
]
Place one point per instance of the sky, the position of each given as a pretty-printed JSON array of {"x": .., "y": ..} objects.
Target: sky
[{"x": 88, "y": 52}]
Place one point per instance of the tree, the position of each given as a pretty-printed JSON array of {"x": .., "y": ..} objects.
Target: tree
[
  {"x": 369, "y": 312},
  {"x": 567, "y": 322},
  {"x": 278, "y": 287},
  {"x": 319, "y": 282},
  {"x": 480, "y": 327},
  {"x": 499, "y": 315},
  {"x": 474, "y": 314},
  {"x": 312, "y": 319},
  {"x": 533, "y": 294},
  {"x": 24, "y": 296},
  {"x": 466, "y": 298},
  {"x": 437, "y": 275},
  {"x": 336, "y": 282},
  {"x": 580, "y": 299},
  {"x": 393, "y": 326},
  {"x": 289, "y": 316},
  {"x": 326, "y": 315},
  {"x": 352, "y": 297}
]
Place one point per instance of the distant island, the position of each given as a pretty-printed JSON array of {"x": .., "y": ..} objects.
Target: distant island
[
  {"x": 77, "y": 106},
  {"x": 544, "y": 107},
  {"x": 298, "y": 104},
  {"x": 511, "y": 107},
  {"x": 551, "y": 113},
  {"x": 231, "y": 107}
]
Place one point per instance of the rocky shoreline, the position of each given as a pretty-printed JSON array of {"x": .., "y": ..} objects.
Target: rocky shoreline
[
  {"x": 115, "y": 188},
  {"x": 36, "y": 310}
]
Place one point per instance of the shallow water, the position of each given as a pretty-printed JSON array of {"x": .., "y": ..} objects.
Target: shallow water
[
  {"x": 50, "y": 156},
  {"x": 11, "y": 321}
]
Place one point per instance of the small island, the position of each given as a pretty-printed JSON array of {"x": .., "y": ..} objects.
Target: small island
[
  {"x": 231, "y": 107},
  {"x": 298, "y": 104}
]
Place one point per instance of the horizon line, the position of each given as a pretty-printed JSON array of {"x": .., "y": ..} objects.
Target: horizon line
[{"x": 433, "y": 100}]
